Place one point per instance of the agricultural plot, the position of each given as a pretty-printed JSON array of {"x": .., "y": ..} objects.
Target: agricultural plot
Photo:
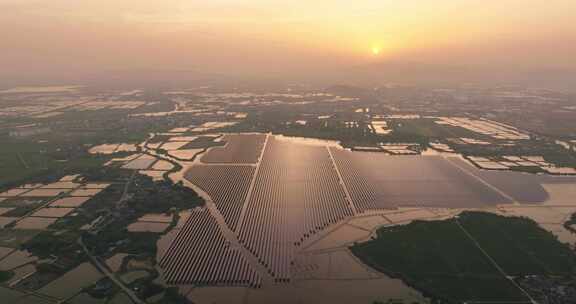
[
  {"x": 227, "y": 186},
  {"x": 239, "y": 148},
  {"x": 162, "y": 165},
  {"x": 485, "y": 127},
  {"x": 148, "y": 227},
  {"x": 174, "y": 145},
  {"x": 14, "y": 238},
  {"x": 201, "y": 255},
  {"x": 96, "y": 186},
  {"x": 85, "y": 192},
  {"x": 16, "y": 202},
  {"x": 40, "y": 206},
  {"x": 104, "y": 149},
  {"x": 52, "y": 212},
  {"x": 155, "y": 175},
  {"x": 4, "y": 220},
  {"x": 297, "y": 193},
  {"x": 203, "y": 142},
  {"x": 377, "y": 181},
  {"x": 13, "y": 192},
  {"x": 70, "y": 202},
  {"x": 4, "y": 210},
  {"x": 113, "y": 148},
  {"x": 44, "y": 192},
  {"x": 37, "y": 223},
  {"x": 141, "y": 163},
  {"x": 183, "y": 138},
  {"x": 61, "y": 185},
  {"x": 188, "y": 154}
]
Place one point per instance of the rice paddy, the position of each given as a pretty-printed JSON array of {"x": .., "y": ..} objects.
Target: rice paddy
[
  {"x": 188, "y": 154},
  {"x": 39, "y": 207},
  {"x": 85, "y": 192},
  {"x": 35, "y": 223},
  {"x": 13, "y": 192},
  {"x": 52, "y": 212},
  {"x": 162, "y": 165},
  {"x": 141, "y": 163},
  {"x": 44, "y": 192},
  {"x": 70, "y": 202}
]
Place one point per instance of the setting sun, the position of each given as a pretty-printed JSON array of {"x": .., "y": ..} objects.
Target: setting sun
[{"x": 376, "y": 50}]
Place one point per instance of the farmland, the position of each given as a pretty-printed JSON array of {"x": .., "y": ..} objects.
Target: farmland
[{"x": 26, "y": 161}]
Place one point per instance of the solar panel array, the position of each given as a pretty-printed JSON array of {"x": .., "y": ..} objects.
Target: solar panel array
[
  {"x": 297, "y": 193},
  {"x": 201, "y": 255},
  {"x": 363, "y": 193},
  {"x": 379, "y": 181},
  {"x": 227, "y": 186},
  {"x": 239, "y": 148}
]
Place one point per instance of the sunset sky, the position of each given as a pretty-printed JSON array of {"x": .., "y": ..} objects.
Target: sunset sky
[{"x": 55, "y": 36}]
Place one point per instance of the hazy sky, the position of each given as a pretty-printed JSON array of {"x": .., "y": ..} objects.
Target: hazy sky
[{"x": 275, "y": 36}]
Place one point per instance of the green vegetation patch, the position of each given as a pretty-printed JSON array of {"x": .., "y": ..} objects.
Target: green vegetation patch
[
  {"x": 441, "y": 260},
  {"x": 17, "y": 202},
  {"x": 519, "y": 245},
  {"x": 33, "y": 161},
  {"x": 5, "y": 275},
  {"x": 49, "y": 243},
  {"x": 13, "y": 238},
  {"x": 23, "y": 210}
]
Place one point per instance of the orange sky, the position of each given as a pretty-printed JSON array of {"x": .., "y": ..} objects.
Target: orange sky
[{"x": 275, "y": 36}]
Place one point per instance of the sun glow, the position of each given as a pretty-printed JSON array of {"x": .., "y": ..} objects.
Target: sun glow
[{"x": 376, "y": 50}]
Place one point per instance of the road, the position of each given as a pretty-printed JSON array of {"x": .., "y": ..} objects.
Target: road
[{"x": 104, "y": 269}]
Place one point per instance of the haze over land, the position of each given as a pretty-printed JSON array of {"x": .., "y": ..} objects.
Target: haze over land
[{"x": 371, "y": 41}]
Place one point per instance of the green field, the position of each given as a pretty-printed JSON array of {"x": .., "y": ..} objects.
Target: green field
[
  {"x": 13, "y": 238},
  {"x": 22, "y": 160},
  {"x": 5, "y": 276},
  {"x": 439, "y": 259}
]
